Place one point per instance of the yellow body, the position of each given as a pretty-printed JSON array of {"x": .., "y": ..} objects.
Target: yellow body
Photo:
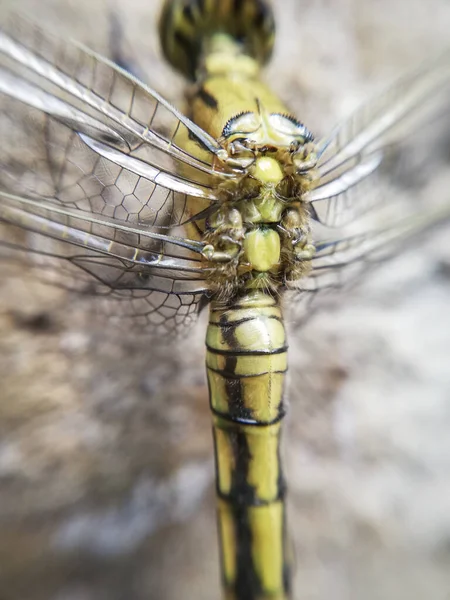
[
  {"x": 227, "y": 88},
  {"x": 253, "y": 237},
  {"x": 246, "y": 364},
  {"x": 231, "y": 103},
  {"x": 121, "y": 172},
  {"x": 262, "y": 249}
]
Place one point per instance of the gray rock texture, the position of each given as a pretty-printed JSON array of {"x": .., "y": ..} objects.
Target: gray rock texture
[{"x": 106, "y": 468}]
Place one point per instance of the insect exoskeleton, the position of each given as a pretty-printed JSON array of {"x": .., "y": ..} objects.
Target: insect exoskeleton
[
  {"x": 261, "y": 233},
  {"x": 186, "y": 28}
]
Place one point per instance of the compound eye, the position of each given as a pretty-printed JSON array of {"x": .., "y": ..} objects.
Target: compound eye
[
  {"x": 244, "y": 123},
  {"x": 290, "y": 126}
]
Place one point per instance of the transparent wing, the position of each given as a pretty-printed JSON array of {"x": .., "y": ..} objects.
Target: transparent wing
[
  {"x": 340, "y": 263},
  {"x": 349, "y": 166},
  {"x": 150, "y": 280},
  {"x": 95, "y": 138}
]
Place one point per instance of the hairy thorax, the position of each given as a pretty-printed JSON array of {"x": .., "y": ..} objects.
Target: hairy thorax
[{"x": 259, "y": 235}]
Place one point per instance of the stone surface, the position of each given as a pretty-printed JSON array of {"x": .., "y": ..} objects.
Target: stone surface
[{"x": 106, "y": 470}]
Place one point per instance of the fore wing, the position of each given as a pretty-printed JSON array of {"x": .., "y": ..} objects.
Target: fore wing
[
  {"x": 339, "y": 263},
  {"x": 78, "y": 129},
  {"x": 358, "y": 152},
  {"x": 152, "y": 281}
]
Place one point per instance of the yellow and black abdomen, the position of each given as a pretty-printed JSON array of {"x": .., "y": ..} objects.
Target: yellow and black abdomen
[
  {"x": 246, "y": 365},
  {"x": 186, "y": 26}
]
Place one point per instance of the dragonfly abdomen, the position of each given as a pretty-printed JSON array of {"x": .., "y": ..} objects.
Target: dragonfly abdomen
[
  {"x": 246, "y": 366},
  {"x": 186, "y": 27}
]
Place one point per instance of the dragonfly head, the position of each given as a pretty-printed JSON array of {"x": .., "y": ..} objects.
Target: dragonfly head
[{"x": 251, "y": 136}]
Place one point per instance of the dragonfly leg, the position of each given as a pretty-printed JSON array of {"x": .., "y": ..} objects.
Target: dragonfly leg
[
  {"x": 304, "y": 251},
  {"x": 217, "y": 256},
  {"x": 297, "y": 249},
  {"x": 225, "y": 233}
]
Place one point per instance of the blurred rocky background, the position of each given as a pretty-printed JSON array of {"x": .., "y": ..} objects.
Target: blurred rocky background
[{"x": 106, "y": 468}]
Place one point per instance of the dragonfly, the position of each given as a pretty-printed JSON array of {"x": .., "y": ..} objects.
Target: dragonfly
[{"x": 232, "y": 205}]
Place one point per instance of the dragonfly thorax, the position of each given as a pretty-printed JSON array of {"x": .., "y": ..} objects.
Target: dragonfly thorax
[
  {"x": 259, "y": 238},
  {"x": 267, "y": 170},
  {"x": 249, "y": 135}
]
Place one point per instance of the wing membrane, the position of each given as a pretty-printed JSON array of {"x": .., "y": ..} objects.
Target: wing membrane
[
  {"x": 156, "y": 280},
  {"x": 93, "y": 170},
  {"x": 369, "y": 138},
  {"x": 340, "y": 263},
  {"x": 76, "y": 107}
]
